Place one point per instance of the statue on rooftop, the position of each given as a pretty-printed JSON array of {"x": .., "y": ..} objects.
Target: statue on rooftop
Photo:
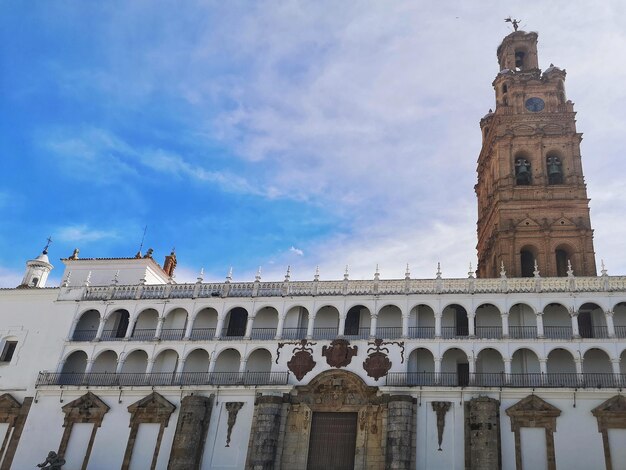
[{"x": 513, "y": 21}]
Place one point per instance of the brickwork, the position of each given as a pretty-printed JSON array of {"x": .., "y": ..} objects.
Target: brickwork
[
  {"x": 191, "y": 431},
  {"x": 482, "y": 434},
  {"x": 545, "y": 219}
]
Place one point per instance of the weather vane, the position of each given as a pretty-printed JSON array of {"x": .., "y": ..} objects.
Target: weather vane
[
  {"x": 513, "y": 21},
  {"x": 49, "y": 240}
]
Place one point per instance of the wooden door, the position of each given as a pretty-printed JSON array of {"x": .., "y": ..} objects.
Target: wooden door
[{"x": 333, "y": 441}]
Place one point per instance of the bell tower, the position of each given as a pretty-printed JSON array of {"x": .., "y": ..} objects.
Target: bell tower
[{"x": 532, "y": 198}]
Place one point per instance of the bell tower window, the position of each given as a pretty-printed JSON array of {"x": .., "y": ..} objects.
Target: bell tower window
[
  {"x": 520, "y": 57},
  {"x": 555, "y": 169},
  {"x": 563, "y": 255},
  {"x": 522, "y": 171},
  {"x": 527, "y": 262}
]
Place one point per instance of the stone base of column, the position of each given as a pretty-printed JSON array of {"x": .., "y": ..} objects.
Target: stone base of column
[
  {"x": 191, "y": 432},
  {"x": 482, "y": 434},
  {"x": 400, "y": 432},
  {"x": 265, "y": 433}
]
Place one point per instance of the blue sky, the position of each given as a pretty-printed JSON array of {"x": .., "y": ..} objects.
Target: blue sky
[{"x": 280, "y": 133}]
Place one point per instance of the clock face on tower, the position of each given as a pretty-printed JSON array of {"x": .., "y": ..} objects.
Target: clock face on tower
[{"x": 534, "y": 104}]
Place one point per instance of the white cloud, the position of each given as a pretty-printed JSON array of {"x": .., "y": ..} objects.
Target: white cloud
[
  {"x": 296, "y": 251},
  {"x": 83, "y": 233},
  {"x": 370, "y": 111}
]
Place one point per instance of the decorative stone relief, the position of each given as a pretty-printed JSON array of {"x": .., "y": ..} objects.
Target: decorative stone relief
[
  {"x": 233, "y": 408},
  {"x": 377, "y": 363},
  {"x": 336, "y": 391},
  {"x": 301, "y": 363},
  {"x": 86, "y": 409},
  {"x": 339, "y": 353},
  {"x": 14, "y": 414},
  {"x": 152, "y": 409},
  {"x": 533, "y": 412},
  {"x": 441, "y": 408},
  {"x": 302, "y": 343},
  {"x": 610, "y": 415}
]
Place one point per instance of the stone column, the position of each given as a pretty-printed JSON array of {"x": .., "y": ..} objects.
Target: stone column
[
  {"x": 265, "y": 433},
  {"x": 405, "y": 325},
  {"x": 574, "y": 318},
  {"x": 129, "y": 330},
  {"x": 543, "y": 368},
  {"x": 191, "y": 432},
  {"x": 400, "y": 432},
  {"x": 119, "y": 366},
  {"x": 482, "y": 434},
  {"x": 507, "y": 370},
  {"x": 373, "y": 325},
  {"x": 615, "y": 364},
  {"x": 280, "y": 327},
  {"x": 188, "y": 328},
  {"x": 100, "y": 330},
  {"x": 310, "y": 326},
  {"x": 578, "y": 363},
  {"x": 242, "y": 365},
  {"x": 220, "y": 326},
  {"x": 438, "y": 316},
  {"x": 610, "y": 326},
  {"x": 437, "y": 370},
  {"x": 150, "y": 366},
  {"x": 159, "y": 328},
  {"x": 212, "y": 363},
  {"x": 342, "y": 326},
  {"x": 471, "y": 324},
  {"x": 471, "y": 360},
  {"x": 180, "y": 367},
  {"x": 505, "y": 324},
  {"x": 89, "y": 366},
  {"x": 540, "y": 333},
  {"x": 249, "y": 324}
]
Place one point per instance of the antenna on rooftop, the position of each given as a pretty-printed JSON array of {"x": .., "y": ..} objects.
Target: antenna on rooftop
[{"x": 143, "y": 237}]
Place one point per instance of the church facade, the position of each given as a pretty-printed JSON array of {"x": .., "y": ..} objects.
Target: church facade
[{"x": 518, "y": 367}]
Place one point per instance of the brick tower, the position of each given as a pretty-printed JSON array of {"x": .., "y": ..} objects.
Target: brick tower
[{"x": 532, "y": 198}]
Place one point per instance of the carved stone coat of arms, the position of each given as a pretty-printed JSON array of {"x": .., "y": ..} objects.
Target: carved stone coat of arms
[{"x": 339, "y": 353}]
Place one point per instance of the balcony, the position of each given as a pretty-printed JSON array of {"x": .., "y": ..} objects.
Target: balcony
[
  {"x": 552, "y": 380},
  {"x": 522, "y": 332},
  {"x": 111, "y": 379}
]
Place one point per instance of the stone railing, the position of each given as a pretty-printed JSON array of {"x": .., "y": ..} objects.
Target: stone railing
[{"x": 357, "y": 287}]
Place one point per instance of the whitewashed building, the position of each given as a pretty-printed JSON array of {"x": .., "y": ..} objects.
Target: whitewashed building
[{"x": 122, "y": 367}]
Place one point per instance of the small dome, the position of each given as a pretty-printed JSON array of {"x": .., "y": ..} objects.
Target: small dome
[
  {"x": 43, "y": 257},
  {"x": 505, "y": 72},
  {"x": 489, "y": 114}
]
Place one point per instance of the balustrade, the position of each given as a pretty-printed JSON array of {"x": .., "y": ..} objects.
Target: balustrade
[
  {"x": 522, "y": 332},
  {"x": 112, "y": 379},
  {"x": 501, "y": 379}
]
